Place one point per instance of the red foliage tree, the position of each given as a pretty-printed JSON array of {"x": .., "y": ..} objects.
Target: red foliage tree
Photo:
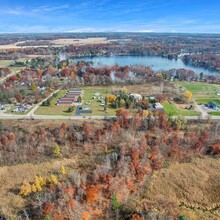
[
  {"x": 4, "y": 140},
  {"x": 47, "y": 209},
  {"x": 11, "y": 136},
  {"x": 86, "y": 129},
  {"x": 216, "y": 148},
  {"x": 123, "y": 115}
]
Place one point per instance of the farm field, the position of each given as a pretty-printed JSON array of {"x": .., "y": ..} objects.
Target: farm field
[
  {"x": 173, "y": 111},
  {"x": 54, "y": 109},
  {"x": 60, "y": 42}
]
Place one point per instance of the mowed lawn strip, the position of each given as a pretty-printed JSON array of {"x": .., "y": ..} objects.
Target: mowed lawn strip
[
  {"x": 171, "y": 110},
  {"x": 54, "y": 109},
  {"x": 214, "y": 113},
  {"x": 205, "y": 101}
]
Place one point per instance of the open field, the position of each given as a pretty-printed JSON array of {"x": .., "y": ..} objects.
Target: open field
[
  {"x": 60, "y": 43},
  {"x": 78, "y": 41},
  {"x": 6, "y": 63},
  {"x": 173, "y": 111},
  {"x": 193, "y": 187},
  {"x": 201, "y": 89},
  {"x": 13, "y": 176},
  {"x": 54, "y": 109}
]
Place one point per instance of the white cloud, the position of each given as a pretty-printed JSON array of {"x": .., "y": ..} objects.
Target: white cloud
[
  {"x": 47, "y": 8},
  {"x": 14, "y": 11}
]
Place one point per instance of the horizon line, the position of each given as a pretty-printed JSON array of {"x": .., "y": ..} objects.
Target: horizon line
[{"x": 108, "y": 32}]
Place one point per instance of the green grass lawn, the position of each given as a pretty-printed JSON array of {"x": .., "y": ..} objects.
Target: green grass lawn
[
  {"x": 54, "y": 109},
  {"x": 200, "y": 87},
  {"x": 173, "y": 111},
  {"x": 205, "y": 101},
  {"x": 214, "y": 113},
  {"x": 97, "y": 110}
]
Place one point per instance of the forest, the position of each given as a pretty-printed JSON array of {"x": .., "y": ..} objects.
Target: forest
[{"x": 117, "y": 163}]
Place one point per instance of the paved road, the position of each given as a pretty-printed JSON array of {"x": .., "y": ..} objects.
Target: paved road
[
  {"x": 53, "y": 117},
  {"x": 31, "y": 113},
  {"x": 200, "y": 109}
]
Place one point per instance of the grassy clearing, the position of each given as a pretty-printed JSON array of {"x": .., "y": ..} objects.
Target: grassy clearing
[
  {"x": 54, "y": 109},
  {"x": 6, "y": 64},
  {"x": 195, "y": 185},
  {"x": 97, "y": 110},
  {"x": 214, "y": 113},
  {"x": 173, "y": 111},
  {"x": 200, "y": 87},
  {"x": 12, "y": 177}
]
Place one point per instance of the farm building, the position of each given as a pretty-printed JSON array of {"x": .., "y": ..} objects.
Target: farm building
[{"x": 70, "y": 98}]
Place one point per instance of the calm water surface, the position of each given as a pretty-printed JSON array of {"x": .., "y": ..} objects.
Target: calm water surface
[{"x": 156, "y": 63}]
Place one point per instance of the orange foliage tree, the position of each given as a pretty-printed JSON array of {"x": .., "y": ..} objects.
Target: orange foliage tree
[{"x": 92, "y": 193}]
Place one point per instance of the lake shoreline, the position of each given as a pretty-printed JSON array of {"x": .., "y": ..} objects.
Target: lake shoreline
[{"x": 157, "y": 63}]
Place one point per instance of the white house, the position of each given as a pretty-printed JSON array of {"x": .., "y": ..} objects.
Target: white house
[{"x": 136, "y": 96}]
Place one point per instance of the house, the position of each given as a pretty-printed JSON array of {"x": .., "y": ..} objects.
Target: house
[
  {"x": 157, "y": 106},
  {"x": 84, "y": 108},
  {"x": 42, "y": 90},
  {"x": 136, "y": 96}
]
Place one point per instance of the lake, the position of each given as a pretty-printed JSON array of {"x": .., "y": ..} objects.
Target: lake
[{"x": 156, "y": 63}]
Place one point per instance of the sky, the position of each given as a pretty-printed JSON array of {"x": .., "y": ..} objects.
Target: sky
[{"x": 176, "y": 16}]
